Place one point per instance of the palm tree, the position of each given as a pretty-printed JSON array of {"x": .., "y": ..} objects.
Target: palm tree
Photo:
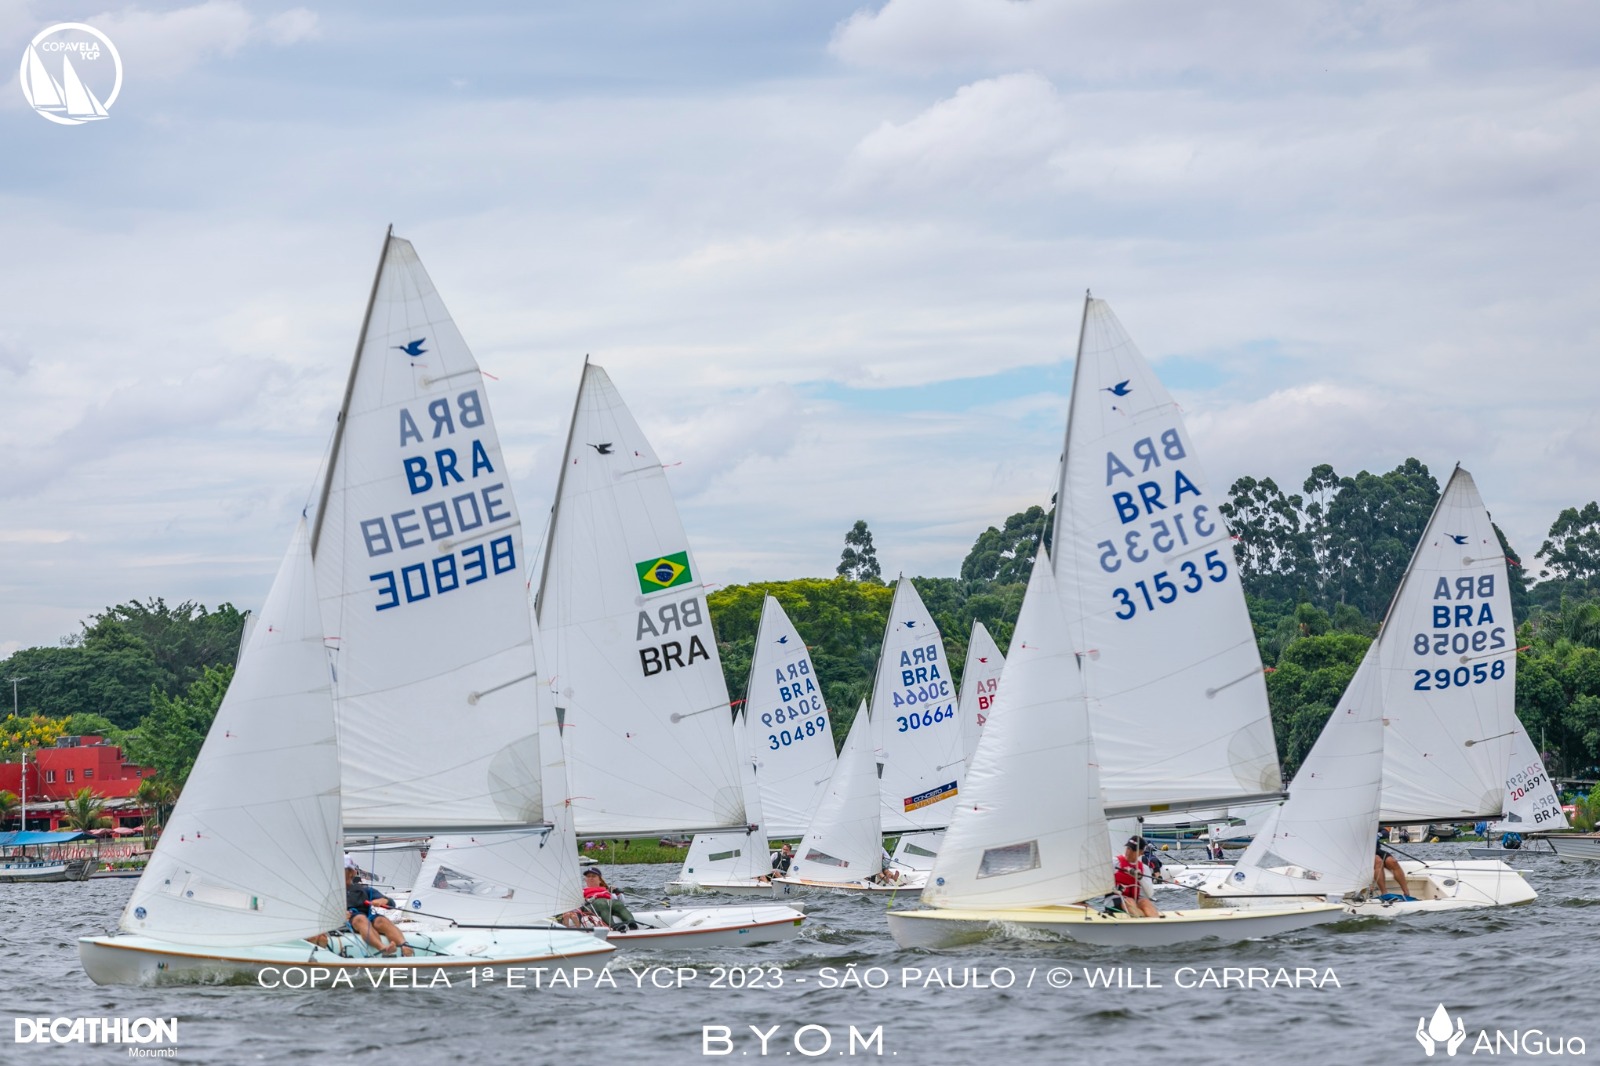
[
  {"x": 8, "y": 805},
  {"x": 157, "y": 796},
  {"x": 84, "y": 811}
]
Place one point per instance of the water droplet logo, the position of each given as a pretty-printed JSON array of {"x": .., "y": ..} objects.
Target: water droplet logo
[
  {"x": 1431, "y": 1032},
  {"x": 71, "y": 74}
]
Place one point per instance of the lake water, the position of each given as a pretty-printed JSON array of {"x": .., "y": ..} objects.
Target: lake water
[{"x": 1522, "y": 968}]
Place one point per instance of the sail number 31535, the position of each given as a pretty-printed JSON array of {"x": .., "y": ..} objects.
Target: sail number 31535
[{"x": 1161, "y": 588}]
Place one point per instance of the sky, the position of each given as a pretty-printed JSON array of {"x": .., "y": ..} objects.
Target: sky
[{"x": 832, "y": 254}]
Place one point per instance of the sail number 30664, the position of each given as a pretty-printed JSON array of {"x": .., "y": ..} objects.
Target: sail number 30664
[{"x": 1162, "y": 589}]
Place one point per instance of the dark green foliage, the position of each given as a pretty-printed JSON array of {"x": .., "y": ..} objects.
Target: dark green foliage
[
  {"x": 170, "y": 736},
  {"x": 1005, "y": 556},
  {"x": 859, "y": 560}
]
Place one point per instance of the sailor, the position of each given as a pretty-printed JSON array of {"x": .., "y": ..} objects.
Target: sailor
[{"x": 1130, "y": 878}]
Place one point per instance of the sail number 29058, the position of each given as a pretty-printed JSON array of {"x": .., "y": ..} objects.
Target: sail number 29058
[{"x": 1162, "y": 589}]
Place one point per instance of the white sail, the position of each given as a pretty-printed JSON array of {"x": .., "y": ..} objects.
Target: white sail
[
  {"x": 628, "y": 641},
  {"x": 1152, "y": 596},
  {"x": 980, "y": 680},
  {"x": 81, "y": 103},
  {"x": 1028, "y": 829},
  {"x": 739, "y": 854},
  {"x": 43, "y": 90},
  {"x": 1449, "y": 688},
  {"x": 845, "y": 841},
  {"x": 1319, "y": 842},
  {"x": 419, "y": 560},
  {"x": 915, "y": 722},
  {"x": 251, "y": 853},
  {"x": 510, "y": 877},
  {"x": 788, "y": 726},
  {"x": 1531, "y": 804}
]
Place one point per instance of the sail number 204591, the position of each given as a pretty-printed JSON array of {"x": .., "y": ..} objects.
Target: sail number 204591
[{"x": 1161, "y": 588}]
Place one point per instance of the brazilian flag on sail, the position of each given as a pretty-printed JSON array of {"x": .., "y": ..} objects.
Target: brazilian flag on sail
[{"x": 667, "y": 572}]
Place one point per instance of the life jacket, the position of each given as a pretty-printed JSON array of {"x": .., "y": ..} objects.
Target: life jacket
[{"x": 1126, "y": 876}]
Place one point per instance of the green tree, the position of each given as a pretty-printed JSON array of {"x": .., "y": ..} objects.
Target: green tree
[
  {"x": 859, "y": 560},
  {"x": 8, "y": 806},
  {"x": 1005, "y": 556},
  {"x": 158, "y": 797},
  {"x": 84, "y": 811},
  {"x": 1572, "y": 551},
  {"x": 170, "y": 736}
]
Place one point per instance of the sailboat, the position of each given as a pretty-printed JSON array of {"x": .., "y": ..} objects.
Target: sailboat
[
  {"x": 843, "y": 846},
  {"x": 1531, "y": 803},
  {"x": 242, "y": 875},
  {"x": 788, "y": 741},
  {"x": 1133, "y": 685},
  {"x": 635, "y": 680},
  {"x": 1423, "y": 733},
  {"x": 980, "y": 680}
]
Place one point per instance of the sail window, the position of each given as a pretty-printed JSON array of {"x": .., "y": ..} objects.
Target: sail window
[
  {"x": 824, "y": 858},
  {"x": 723, "y": 856},
  {"x": 912, "y": 849},
  {"x": 1010, "y": 859}
]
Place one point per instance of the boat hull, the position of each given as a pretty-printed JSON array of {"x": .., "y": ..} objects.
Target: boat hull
[
  {"x": 947, "y": 928},
  {"x": 22, "y": 872},
  {"x": 712, "y": 927},
  {"x": 1576, "y": 847},
  {"x": 441, "y": 957},
  {"x": 1437, "y": 886},
  {"x": 913, "y": 882}
]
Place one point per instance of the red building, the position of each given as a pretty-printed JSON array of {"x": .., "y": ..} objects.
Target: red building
[{"x": 75, "y": 763}]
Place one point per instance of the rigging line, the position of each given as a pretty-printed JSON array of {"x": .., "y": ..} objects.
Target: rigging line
[{"x": 473, "y": 697}]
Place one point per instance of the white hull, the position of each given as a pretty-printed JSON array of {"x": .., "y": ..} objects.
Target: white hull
[
  {"x": 441, "y": 956},
  {"x": 913, "y": 882},
  {"x": 952, "y": 928},
  {"x": 1577, "y": 847},
  {"x": 1436, "y": 886},
  {"x": 20, "y": 871},
  {"x": 738, "y": 887},
  {"x": 712, "y": 927}
]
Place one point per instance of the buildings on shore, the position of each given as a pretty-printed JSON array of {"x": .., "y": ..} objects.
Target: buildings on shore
[{"x": 55, "y": 774}]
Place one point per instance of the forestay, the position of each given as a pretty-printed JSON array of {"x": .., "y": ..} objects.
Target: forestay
[
  {"x": 419, "y": 557},
  {"x": 980, "y": 680},
  {"x": 1152, "y": 596},
  {"x": 627, "y": 639},
  {"x": 1028, "y": 829},
  {"x": 787, "y": 724},
  {"x": 914, "y": 718},
  {"x": 250, "y": 855},
  {"x": 844, "y": 843},
  {"x": 1450, "y": 690}
]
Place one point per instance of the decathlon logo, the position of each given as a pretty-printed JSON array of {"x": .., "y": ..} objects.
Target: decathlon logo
[
  {"x": 1438, "y": 1031},
  {"x": 71, "y": 73},
  {"x": 98, "y": 1031}
]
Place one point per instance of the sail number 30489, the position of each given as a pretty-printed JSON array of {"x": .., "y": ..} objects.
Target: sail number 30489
[{"x": 1162, "y": 589}]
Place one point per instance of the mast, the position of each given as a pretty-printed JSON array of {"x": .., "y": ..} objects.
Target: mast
[
  {"x": 349, "y": 389},
  {"x": 1066, "y": 439},
  {"x": 561, "y": 480}
]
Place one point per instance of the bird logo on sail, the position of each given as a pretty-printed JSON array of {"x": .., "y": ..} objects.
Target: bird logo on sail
[
  {"x": 66, "y": 76},
  {"x": 413, "y": 348},
  {"x": 602, "y": 449},
  {"x": 1121, "y": 388},
  {"x": 667, "y": 572},
  {"x": 1457, "y": 537}
]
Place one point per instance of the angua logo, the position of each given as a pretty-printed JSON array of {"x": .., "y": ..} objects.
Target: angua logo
[
  {"x": 1435, "y": 1031},
  {"x": 71, "y": 73}
]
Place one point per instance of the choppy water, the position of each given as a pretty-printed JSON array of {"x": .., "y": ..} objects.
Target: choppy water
[{"x": 1507, "y": 968}]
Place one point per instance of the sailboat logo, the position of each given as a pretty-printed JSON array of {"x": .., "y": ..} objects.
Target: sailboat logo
[{"x": 71, "y": 73}]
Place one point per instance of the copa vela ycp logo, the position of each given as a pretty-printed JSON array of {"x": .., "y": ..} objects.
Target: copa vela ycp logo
[
  {"x": 1439, "y": 1032},
  {"x": 71, "y": 73}
]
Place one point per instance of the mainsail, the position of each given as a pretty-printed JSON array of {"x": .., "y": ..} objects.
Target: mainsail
[
  {"x": 628, "y": 646},
  {"x": 1532, "y": 805},
  {"x": 419, "y": 564},
  {"x": 980, "y": 680},
  {"x": 250, "y": 854},
  {"x": 787, "y": 724},
  {"x": 916, "y": 726},
  {"x": 1449, "y": 690},
  {"x": 1145, "y": 568}
]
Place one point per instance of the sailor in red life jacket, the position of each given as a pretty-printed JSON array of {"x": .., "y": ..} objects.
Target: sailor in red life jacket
[{"x": 1128, "y": 875}]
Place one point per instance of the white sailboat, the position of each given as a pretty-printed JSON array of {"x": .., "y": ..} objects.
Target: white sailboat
[
  {"x": 419, "y": 556},
  {"x": 980, "y": 680},
  {"x": 1425, "y": 721},
  {"x": 635, "y": 678},
  {"x": 241, "y": 877},
  {"x": 789, "y": 744},
  {"x": 1133, "y": 684},
  {"x": 1531, "y": 803},
  {"x": 843, "y": 847}
]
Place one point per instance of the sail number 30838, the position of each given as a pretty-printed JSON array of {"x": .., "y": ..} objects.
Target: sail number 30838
[{"x": 1162, "y": 589}]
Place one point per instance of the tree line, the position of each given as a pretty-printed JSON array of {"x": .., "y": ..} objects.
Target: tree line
[{"x": 1319, "y": 567}]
